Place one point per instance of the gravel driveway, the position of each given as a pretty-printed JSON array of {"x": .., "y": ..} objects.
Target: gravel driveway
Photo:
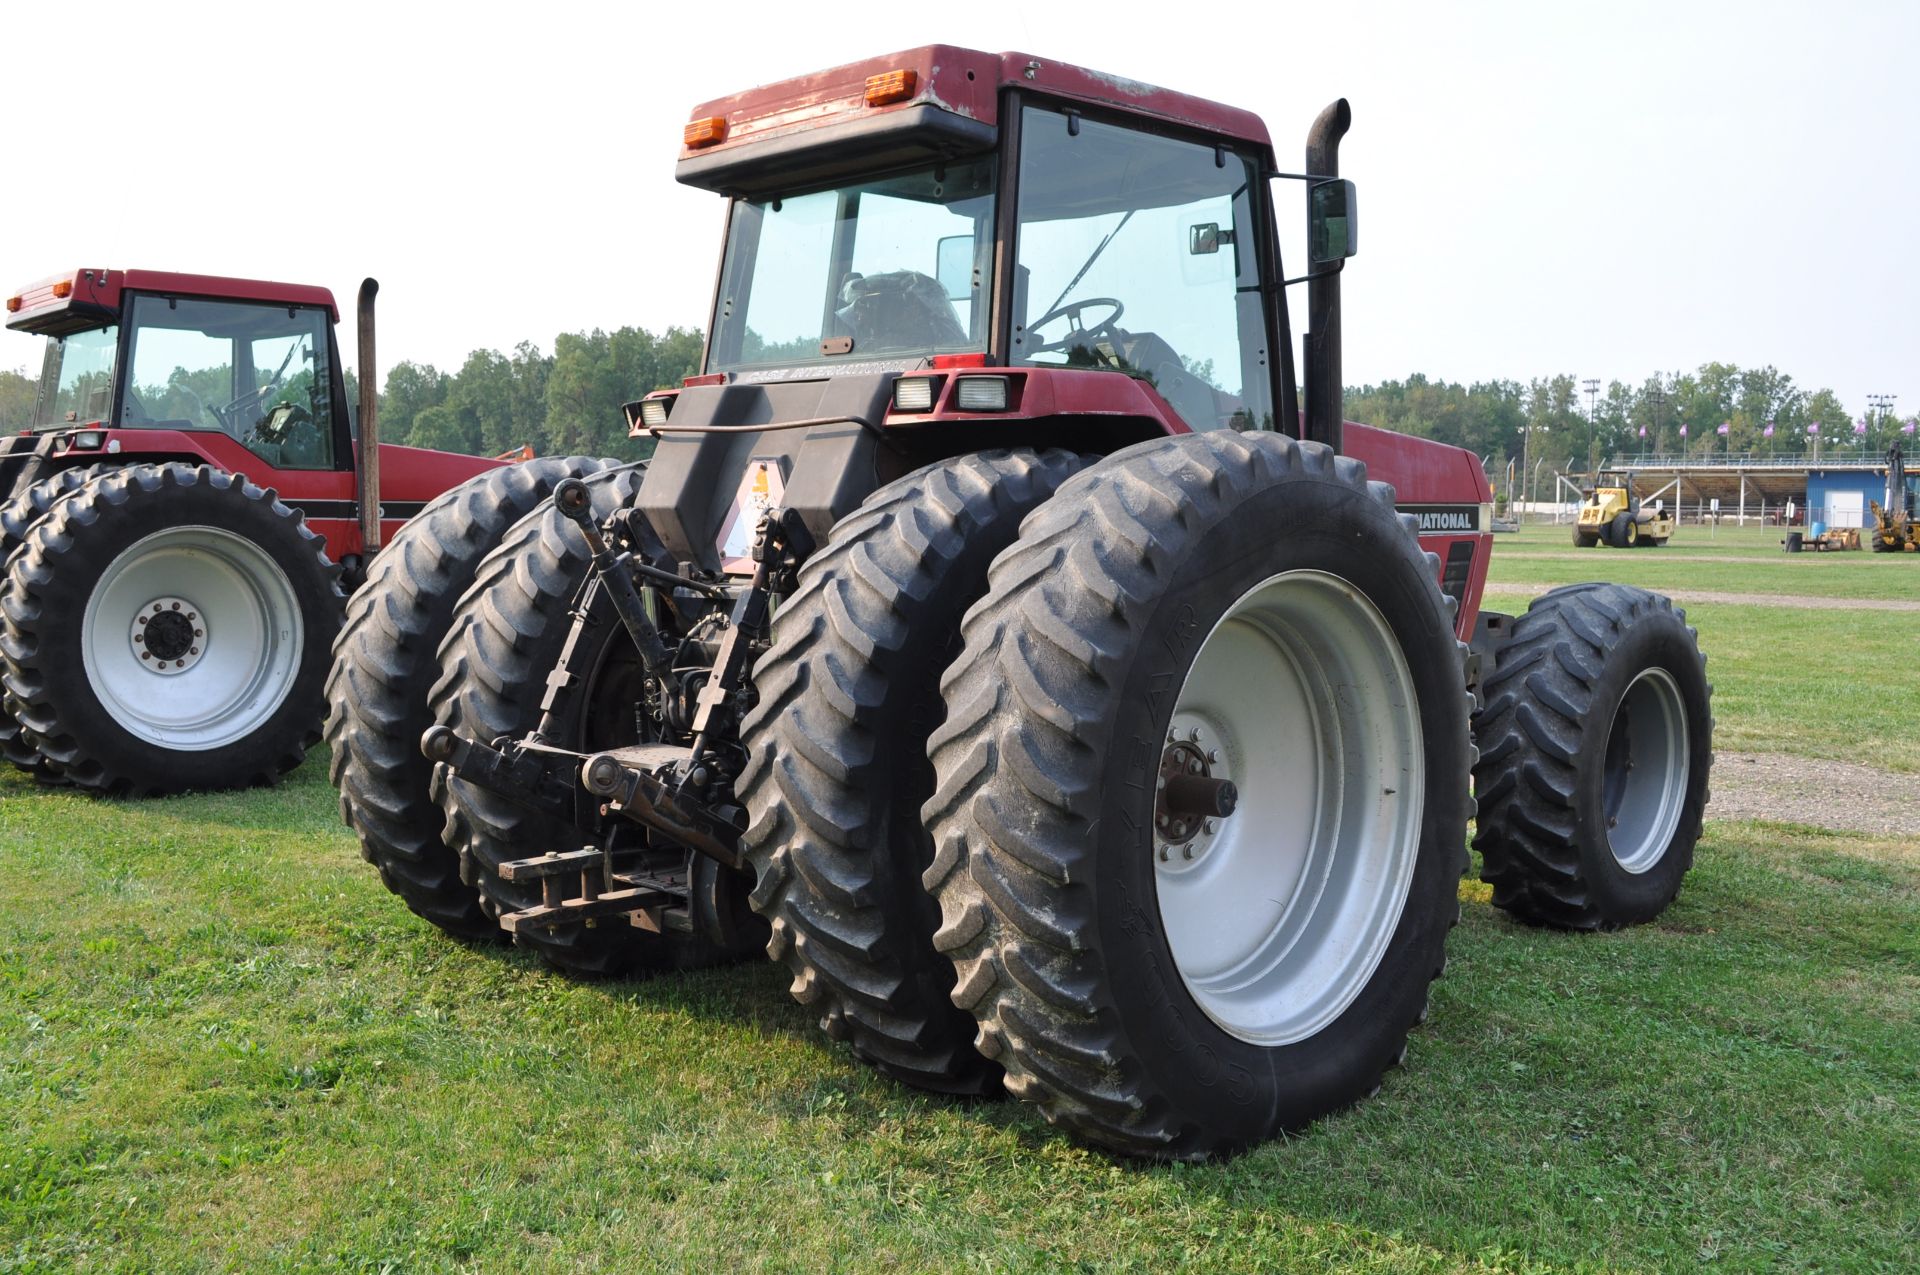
[{"x": 1841, "y": 795}]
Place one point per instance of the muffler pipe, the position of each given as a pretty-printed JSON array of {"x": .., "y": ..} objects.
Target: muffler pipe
[
  {"x": 367, "y": 480},
  {"x": 1321, "y": 343}
]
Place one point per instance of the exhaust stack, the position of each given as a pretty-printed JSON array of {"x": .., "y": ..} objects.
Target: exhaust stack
[
  {"x": 367, "y": 482},
  {"x": 1321, "y": 344}
]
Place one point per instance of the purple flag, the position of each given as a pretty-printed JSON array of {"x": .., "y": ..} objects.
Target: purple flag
[
  {"x": 1683, "y": 431},
  {"x": 1907, "y": 428},
  {"x": 1814, "y": 428},
  {"x": 1643, "y": 430},
  {"x": 1859, "y": 427},
  {"x": 1768, "y": 431},
  {"x": 1725, "y": 426}
]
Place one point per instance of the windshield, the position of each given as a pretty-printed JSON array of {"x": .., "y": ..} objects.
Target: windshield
[
  {"x": 1137, "y": 254},
  {"x": 259, "y": 373},
  {"x": 895, "y": 269},
  {"x": 76, "y": 380}
]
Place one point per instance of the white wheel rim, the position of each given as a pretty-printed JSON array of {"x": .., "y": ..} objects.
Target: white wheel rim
[
  {"x": 1644, "y": 779},
  {"x": 1278, "y": 918},
  {"x": 229, "y": 667}
]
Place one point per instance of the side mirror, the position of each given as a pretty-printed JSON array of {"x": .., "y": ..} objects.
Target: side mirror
[
  {"x": 1333, "y": 222},
  {"x": 1205, "y": 239},
  {"x": 953, "y": 266}
]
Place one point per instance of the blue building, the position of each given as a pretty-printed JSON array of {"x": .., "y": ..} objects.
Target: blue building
[{"x": 1838, "y": 497}]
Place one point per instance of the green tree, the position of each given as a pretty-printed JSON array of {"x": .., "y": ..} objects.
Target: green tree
[
  {"x": 17, "y": 393},
  {"x": 442, "y": 428},
  {"x": 411, "y": 388}
]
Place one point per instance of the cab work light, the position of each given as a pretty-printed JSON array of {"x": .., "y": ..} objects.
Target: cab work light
[
  {"x": 653, "y": 412},
  {"x": 91, "y": 440},
  {"x": 913, "y": 394},
  {"x": 894, "y": 86},
  {"x": 704, "y": 132},
  {"x": 981, "y": 394}
]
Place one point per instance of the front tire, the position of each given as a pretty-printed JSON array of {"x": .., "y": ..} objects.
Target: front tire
[
  {"x": 1261, "y": 592},
  {"x": 166, "y": 629},
  {"x": 1595, "y": 741}
]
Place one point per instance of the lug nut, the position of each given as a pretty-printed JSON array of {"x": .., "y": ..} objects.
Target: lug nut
[
  {"x": 1213, "y": 756},
  {"x": 140, "y": 619},
  {"x": 193, "y": 650},
  {"x": 176, "y": 606},
  {"x": 1208, "y": 827},
  {"x": 146, "y": 655},
  {"x": 138, "y": 638},
  {"x": 1186, "y": 851}
]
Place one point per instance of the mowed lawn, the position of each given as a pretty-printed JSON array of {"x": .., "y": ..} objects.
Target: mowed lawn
[{"x": 224, "y": 1046}]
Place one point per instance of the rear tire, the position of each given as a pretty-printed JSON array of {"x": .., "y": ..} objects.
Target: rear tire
[
  {"x": 17, "y": 518},
  {"x": 384, "y": 664},
  {"x": 838, "y": 771},
  {"x": 200, "y": 568},
  {"x": 1177, "y": 1007},
  {"x": 504, "y": 639},
  {"x": 1582, "y": 826}
]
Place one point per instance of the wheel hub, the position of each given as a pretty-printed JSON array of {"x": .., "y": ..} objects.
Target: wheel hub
[
  {"x": 168, "y": 636},
  {"x": 1190, "y": 800}
]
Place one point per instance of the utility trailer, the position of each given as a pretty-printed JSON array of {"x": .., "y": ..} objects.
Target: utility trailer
[
  {"x": 997, "y": 636},
  {"x": 177, "y": 523}
]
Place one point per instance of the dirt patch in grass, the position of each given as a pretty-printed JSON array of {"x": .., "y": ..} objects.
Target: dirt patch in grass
[
  {"x": 1839, "y": 795},
  {"x": 1688, "y": 596}
]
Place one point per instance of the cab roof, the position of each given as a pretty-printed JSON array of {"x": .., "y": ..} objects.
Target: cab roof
[
  {"x": 950, "y": 106},
  {"x": 84, "y": 299}
]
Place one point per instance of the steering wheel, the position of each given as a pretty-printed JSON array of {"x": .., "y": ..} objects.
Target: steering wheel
[{"x": 1070, "y": 311}]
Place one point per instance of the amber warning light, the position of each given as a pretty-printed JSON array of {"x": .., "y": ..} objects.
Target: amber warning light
[
  {"x": 63, "y": 289},
  {"x": 704, "y": 132},
  {"x": 894, "y": 86}
]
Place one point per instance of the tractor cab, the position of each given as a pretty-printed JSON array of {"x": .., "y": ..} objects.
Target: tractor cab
[
  {"x": 949, "y": 209},
  {"x": 137, "y": 350}
]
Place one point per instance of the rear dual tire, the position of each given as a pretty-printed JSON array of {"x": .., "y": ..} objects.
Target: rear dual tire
[
  {"x": 849, "y": 693},
  {"x": 165, "y": 629},
  {"x": 386, "y": 662},
  {"x": 1083, "y": 956},
  {"x": 506, "y": 635}
]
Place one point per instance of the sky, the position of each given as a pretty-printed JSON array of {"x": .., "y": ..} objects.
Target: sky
[{"x": 1606, "y": 190}]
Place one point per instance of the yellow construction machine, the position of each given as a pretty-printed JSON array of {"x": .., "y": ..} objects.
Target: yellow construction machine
[
  {"x": 1610, "y": 514},
  {"x": 1892, "y": 527}
]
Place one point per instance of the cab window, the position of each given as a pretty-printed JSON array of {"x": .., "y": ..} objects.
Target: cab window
[
  {"x": 1137, "y": 255},
  {"x": 258, "y": 373}
]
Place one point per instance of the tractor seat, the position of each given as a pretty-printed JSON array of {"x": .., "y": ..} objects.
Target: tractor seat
[{"x": 900, "y": 310}]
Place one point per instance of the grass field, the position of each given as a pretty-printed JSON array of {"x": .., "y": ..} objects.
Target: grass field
[{"x": 223, "y": 1046}]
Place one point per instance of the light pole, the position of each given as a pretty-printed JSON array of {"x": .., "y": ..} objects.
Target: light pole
[
  {"x": 1658, "y": 397},
  {"x": 1876, "y": 403},
  {"x": 1593, "y": 427}
]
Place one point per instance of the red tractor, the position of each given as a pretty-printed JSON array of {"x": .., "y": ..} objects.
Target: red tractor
[
  {"x": 994, "y": 632},
  {"x": 177, "y": 523}
]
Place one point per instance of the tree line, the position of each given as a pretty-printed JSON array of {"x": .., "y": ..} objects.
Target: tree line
[
  {"x": 569, "y": 401},
  {"x": 1717, "y": 410},
  {"x": 559, "y": 403}
]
